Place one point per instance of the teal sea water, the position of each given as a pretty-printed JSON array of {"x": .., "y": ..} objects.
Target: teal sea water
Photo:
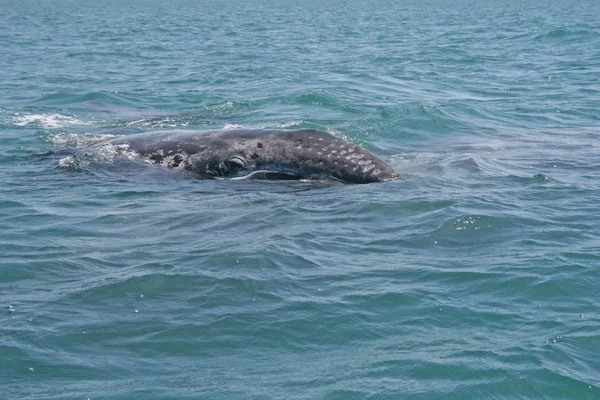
[{"x": 474, "y": 276}]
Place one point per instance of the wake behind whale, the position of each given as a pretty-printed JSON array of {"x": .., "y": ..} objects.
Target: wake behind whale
[{"x": 258, "y": 154}]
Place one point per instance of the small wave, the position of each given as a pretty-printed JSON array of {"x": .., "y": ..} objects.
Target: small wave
[
  {"x": 473, "y": 229},
  {"x": 463, "y": 162},
  {"x": 538, "y": 178},
  {"x": 321, "y": 99},
  {"x": 49, "y": 120},
  {"x": 562, "y": 33},
  {"x": 228, "y": 105},
  {"x": 154, "y": 47}
]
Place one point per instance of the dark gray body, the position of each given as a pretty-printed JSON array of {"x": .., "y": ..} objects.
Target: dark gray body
[{"x": 262, "y": 154}]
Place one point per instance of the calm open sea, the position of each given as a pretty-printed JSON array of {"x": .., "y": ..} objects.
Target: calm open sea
[{"x": 475, "y": 276}]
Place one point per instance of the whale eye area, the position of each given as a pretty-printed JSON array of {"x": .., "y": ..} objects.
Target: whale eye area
[{"x": 235, "y": 164}]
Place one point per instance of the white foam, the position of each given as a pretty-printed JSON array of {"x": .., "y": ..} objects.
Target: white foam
[
  {"x": 232, "y": 126},
  {"x": 338, "y": 134},
  {"x": 222, "y": 107},
  {"x": 283, "y": 125},
  {"x": 158, "y": 123},
  {"x": 291, "y": 124},
  {"x": 78, "y": 140},
  {"x": 139, "y": 122},
  {"x": 49, "y": 120},
  {"x": 104, "y": 154}
]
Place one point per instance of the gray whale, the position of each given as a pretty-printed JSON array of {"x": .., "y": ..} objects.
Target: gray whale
[{"x": 259, "y": 154}]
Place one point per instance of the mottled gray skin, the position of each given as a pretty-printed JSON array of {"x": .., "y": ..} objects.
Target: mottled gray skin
[{"x": 260, "y": 154}]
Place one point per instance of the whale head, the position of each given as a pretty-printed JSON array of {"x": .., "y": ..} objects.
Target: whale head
[{"x": 263, "y": 154}]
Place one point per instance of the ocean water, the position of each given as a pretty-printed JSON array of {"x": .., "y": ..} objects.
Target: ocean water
[{"x": 474, "y": 276}]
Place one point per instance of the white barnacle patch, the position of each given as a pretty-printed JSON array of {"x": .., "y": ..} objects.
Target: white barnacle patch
[
  {"x": 110, "y": 152},
  {"x": 175, "y": 160},
  {"x": 368, "y": 168},
  {"x": 68, "y": 162},
  {"x": 333, "y": 151},
  {"x": 320, "y": 139},
  {"x": 343, "y": 152}
]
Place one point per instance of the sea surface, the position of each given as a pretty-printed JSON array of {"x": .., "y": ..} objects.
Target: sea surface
[{"x": 474, "y": 276}]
